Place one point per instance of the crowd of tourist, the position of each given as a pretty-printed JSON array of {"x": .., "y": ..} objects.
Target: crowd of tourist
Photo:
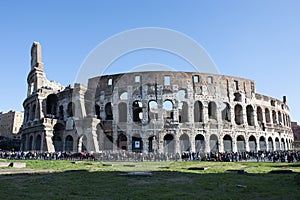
[{"x": 261, "y": 156}]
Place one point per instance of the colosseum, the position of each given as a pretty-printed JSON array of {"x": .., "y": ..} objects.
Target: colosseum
[{"x": 154, "y": 111}]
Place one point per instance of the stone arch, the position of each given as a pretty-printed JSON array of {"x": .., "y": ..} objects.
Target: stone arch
[
  {"x": 252, "y": 144},
  {"x": 38, "y": 143},
  {"x": 270, "y": 144},
  {"x": 238, "y": 114},
  {"x": 152, "y": 145},
  {"x": 200, "y": 143},
  {"x": 137, "y": 143},
  {"x": 168, "y": 109},
  {"x": 30, "y": 142},
  {"x": 214, "y": 143},
  {"x": 183, "y": 112},
  {"x": 69, "y": 143},
  {"x": 58, "y": 132},
  {"x": 277, "y": 144},
  {"x": 97, "y": 111},
  {"x": 284, "y": 121},
  {"x": 267, "y": 114},
  {"x": 259, "y": 115},
  {"x": 33, "y": 109},
  {"x": 241, "y": 143},
  {"x": 225, "y": 109},
  {"x": 169, "y": 144},
  {"x": 71, "y": 109},
  {"x": 122, "y": 141},
  {"x": 181, "y": 94},
  {"x": 274, "y": 117},
  {"x": 137, "y": 111},
  {"x": 51, "y": 104},
  {"x": 279, "y": 118},
  {"x": 250, "y": 115},
  {"x": 262, "y": 143},
  {"x": 153, "y": 110},
  {"x": 198, "y": 111},
  {"x": 212, "y": 110},
  {"x": 61, "y": 112},
  {"x": 184, "y": 143},
  {"x": 227, "y": 142},
  {"x": 122, "y": 108},
  {"x": 283, "y": 146},
  {"x": 108, "y": 111}
]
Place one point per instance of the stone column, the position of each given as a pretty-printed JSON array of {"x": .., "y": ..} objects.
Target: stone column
[
  {"x": 221, "y": 144},
  {"x": 234, "y": 144},
  {"x": 177, "y": 144},
  {"x": 207, "y": 144},
  {"x": 49, "y": 142}
]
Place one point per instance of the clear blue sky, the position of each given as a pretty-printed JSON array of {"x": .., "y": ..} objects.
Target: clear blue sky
[{"x": 259, "y": 40}]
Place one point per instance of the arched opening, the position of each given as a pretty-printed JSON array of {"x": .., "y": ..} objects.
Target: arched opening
[
  {"x": 30, "y": 143},
  {"x": 262, "y": 143},
  {"x": 152, "y": 145},
  {"x": 153, "y": 110},
  {"x": 122, "y": 141},
  {"x": 38, "y": 143},
  {"x": 108, "y": 141},
  {"x": 212, "y": 110},
  {"x": 283, "y": 147},
  {"x": 137, "y": 111},
  {"x": 214, "y": 143},
  {"x": 284, "y": 122},
  {"x": 225, "y": 108},
  {"x": 108, "y": 111},
  {"x": 181, "y": 94},
  {"x": 184, "y": 143},
  {"x": 61, "y": 112},
  {"x": 51, "y": 104},
  {"x": 97, "y": 111},
  {"x": 57, "y": 136},
  {"x": 200, "y": 143},
  {"x": 259, "y": 115},
  {"x": 33, "y": 109},
  {"x": 183, "y": 112},
  {"x": 137, "y": 144},
  {"x": 71, "y": 109},
  {"x": 250, "y": 115},
  {"x": 279, "y": 118},
  {"x": 122, "y": 108},
  {"x": 270, "y": 144},
  {"x": 274, "y": 117},
  {"x": 277, "y": 144},
  {"x": 168, "y": 109},
  {"x": 198, "y": 112},
  {"x": 227, "y": 141},
  {"x": 237, "y": 97},
  {"x": 169, "y": 144},
  {"x": 69, "y": 143},
  {"x": 267, "y": 114},
  {"x": 241, "y": 147},
  {"x": 252, "y": 144},
  {"x": 238, "y": 114}
]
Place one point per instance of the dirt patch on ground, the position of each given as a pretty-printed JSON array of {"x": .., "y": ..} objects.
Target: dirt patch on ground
[{"x": 10, "y": 171}]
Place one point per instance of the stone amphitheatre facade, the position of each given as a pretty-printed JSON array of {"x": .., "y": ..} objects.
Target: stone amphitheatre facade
[{"x": 161, "y": 111}]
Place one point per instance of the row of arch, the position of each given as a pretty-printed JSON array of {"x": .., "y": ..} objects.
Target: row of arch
[
  {"x": 263, "y": 144},
  {"x": 183, "y": 112}
]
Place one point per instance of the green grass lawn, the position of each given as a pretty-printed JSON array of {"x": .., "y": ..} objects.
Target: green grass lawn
[{"x": 169, "y": 180}]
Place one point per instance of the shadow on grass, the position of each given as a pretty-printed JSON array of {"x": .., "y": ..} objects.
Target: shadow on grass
[{"x": 82, "y": 184}]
